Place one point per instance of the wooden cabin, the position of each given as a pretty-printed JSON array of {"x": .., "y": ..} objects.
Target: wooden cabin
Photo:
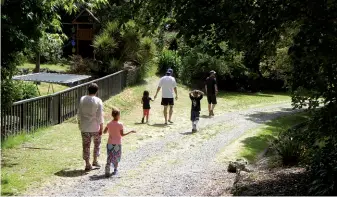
[{"x": 85, "y": 26}]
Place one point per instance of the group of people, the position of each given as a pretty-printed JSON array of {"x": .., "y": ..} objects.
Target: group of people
[{"x": 90, "y": 118}]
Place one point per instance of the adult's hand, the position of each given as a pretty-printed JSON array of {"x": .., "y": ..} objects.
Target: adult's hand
[{"x": 176, "y": 97}]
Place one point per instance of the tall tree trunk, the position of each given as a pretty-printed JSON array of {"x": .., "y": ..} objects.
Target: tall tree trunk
[{"x": 37, "y": 65}]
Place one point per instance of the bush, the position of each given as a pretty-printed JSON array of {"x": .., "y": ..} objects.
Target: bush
[
  {"x": 289, "y": 145},
  {"x": 121, "y": 43},
  {"x": 169, "y": 59},
  {"x": 24, "y": 90}
]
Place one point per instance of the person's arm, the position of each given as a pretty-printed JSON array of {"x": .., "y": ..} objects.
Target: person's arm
[
  {"x": 105, "y": 130},
  {"x": 99, "y": 116},
  {"x": 158, "y": 89},
  {"x": 142, "y": 101},
  {"x": 206, "y": 88},
  {"x": 151, "y": 99},
  {"x": 216, "y": 86},
  {"x": 124, "y": 134},
  {"x": 176, "y": 92},
  {"x": 200, "y": 92}
]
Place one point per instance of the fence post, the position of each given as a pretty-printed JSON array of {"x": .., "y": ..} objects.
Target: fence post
[
  {"x": 23, "y": 117},
  {"x": 50, "y": 109}
]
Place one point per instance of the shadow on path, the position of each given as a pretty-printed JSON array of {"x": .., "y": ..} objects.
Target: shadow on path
[
  {"x": 262, "y": 117},
  {"x": 159, "y": 125},
  {"x": 71, "y": 173},
  {"x": 187, "y": 133}
]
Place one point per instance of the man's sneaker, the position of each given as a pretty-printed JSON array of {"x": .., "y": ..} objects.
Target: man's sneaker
[
  {"x": 142, "y": 120},
  {"x": 170, "y": 121},
  {"x": 212, "y": 113},
  {"x": 194, "y": 130},
  {"x": 96, "y": 164},
  {"x": 107, "y": 170},
  {"x": 115, "y": 172}
]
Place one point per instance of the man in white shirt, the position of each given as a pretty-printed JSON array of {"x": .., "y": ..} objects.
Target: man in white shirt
[
  {"x": 90, "y": 121},
  {"x": 167, "y": 84}
]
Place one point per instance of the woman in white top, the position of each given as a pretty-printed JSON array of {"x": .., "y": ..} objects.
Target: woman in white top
[{"x": 90, "y": 121}]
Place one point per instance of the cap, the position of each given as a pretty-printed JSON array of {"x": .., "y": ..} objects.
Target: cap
[
  {"x": 169, "y": 71},
  {"x": 212, "y": 72}
]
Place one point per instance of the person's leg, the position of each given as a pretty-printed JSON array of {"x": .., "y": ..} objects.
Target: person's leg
[
  {"x": 209, "y": 100},
  {"x": 97, "y": 145},
  {"x": 196, "y": 120},
  {"x": 147, "y": 115},
  {"x": 165, "y": 113},
  {"x": 109, "y": 159},
  {"x": 86, "y": 140},
  {"x": 117, "y": 157},
  {"x": 214, "y": 102},
  {"x": 170, "y": 113},
  {"x": 143, "y": 115}
]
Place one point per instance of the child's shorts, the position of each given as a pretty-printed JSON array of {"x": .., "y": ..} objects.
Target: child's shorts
[
  {"x": 146, "y": 112},
  {"x": 195, "y": 115}
]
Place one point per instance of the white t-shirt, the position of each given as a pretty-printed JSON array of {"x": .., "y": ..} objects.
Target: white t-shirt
[
  {"x": 167, "y": 83},
  {"x": 90, "y": 113}
]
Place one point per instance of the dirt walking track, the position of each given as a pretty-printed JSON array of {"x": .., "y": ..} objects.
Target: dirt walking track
[{"x": 178, "y": 163}]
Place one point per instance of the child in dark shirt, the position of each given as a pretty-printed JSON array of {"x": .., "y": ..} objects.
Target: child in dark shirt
[
  {"x": 195, "y": 96},
  {"x": 146, "y": 106}
]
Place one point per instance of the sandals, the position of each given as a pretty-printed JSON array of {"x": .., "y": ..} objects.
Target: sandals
[
  {"x": 88, "y": 168},
  {"x": 96, "y": 164}
]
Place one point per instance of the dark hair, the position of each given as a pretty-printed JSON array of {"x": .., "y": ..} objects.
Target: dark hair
[
  {"x": 146, "y": 94},
  {"x": 93, "y": 88},
  {"x": 115, "y": 112}
]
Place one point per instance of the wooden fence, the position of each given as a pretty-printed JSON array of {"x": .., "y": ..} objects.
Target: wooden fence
[{"x": 28, "y": 115}]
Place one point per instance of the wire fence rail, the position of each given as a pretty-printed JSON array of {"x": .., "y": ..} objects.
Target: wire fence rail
[{"x": 28, "y": 115}]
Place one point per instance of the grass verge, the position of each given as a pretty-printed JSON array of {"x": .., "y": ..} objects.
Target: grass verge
[{"x": 254, "y": 142}]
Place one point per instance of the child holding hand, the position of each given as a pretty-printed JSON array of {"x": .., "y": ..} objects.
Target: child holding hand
[
  {"x": 114, "y": 145},
  {"x": 146, "y": 105}
]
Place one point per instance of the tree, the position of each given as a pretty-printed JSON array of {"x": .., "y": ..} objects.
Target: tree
[{"x": 23, "y": 24}]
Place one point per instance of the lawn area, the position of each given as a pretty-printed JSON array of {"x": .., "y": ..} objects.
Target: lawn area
[
  {"x": 54, "y": 67},
  {"x": 255, "y": 141},
  {"x": 43, "y": 88},
  {"x": 28, "y": 161}
]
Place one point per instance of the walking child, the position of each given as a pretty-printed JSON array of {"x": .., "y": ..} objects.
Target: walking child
[
  {"x": 146, "y": 106},
  {"x": 114, "y": 145},
  {"x": 195, "y": 96}
]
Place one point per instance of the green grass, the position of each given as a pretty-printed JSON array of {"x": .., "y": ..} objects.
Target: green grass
[
  {"x": 43, "y": 88},
  {"x": 30, "y": 160},
  {"x": 254, "y": 142},
  {"x": 54, "y": 67}
]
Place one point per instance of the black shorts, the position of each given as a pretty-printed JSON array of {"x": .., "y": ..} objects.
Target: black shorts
[
  {"x": 167, "y": 101},
  {"x": 195, "y": 115},
  {"x": 211, "y": 99}
]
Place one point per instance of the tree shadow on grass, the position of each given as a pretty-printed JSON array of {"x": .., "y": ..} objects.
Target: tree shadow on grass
[{"x": 7, "y": 194}]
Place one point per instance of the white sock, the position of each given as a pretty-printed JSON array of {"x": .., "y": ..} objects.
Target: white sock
[{"x": 195, "y": 124}]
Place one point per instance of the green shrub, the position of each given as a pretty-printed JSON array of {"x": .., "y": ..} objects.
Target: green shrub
[
  {"x": 169, "y": 59},
  {"x": 289, "y": 146},
  {"x": 118, "y": 44},
  {"x": 24, "y": 90}
]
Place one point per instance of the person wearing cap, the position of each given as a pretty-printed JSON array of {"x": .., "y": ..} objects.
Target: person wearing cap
[
  {"x": 168, "y": 84},
  {"x": 211, "y": 88}
]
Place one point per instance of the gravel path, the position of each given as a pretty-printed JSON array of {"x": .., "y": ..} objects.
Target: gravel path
[{"x": 177, "y": 164}]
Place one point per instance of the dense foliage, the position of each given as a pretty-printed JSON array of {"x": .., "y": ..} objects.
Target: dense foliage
[{"x": 119, "y": 43}]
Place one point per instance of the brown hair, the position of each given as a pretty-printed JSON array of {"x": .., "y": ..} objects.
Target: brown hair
[
  {"x": 93, "y": 88},
  {"x": 115, "y": 112}
]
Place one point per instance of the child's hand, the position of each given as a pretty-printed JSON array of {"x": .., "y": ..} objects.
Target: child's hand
[
  {"x": 100, "y": 132},
  {"x": 133, "y": 132}
]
